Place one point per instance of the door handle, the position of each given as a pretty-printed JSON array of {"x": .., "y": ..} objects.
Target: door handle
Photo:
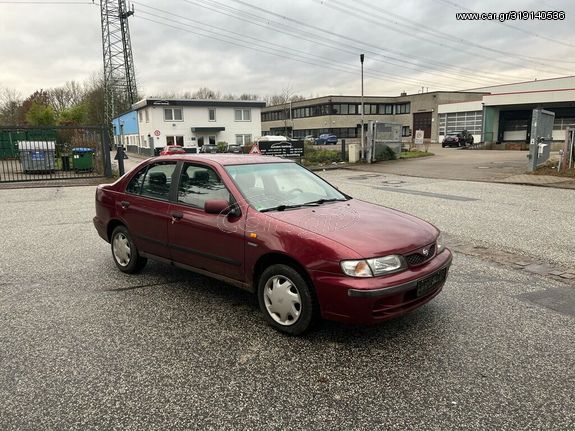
[
  {"x": 177, "y": 215},
  {"x": 124, "y": 204}
]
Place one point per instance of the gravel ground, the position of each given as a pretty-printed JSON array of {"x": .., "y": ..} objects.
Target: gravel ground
[
  {"x": 531, "y": 221},
  {"x": 87, "y": 347}
]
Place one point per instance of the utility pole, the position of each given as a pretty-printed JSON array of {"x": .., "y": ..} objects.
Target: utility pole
[
  {"x": 361, "y": 58},
  {"x": 120, "y": 89}
]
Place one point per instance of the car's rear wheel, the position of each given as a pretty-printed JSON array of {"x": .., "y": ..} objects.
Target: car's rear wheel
[
  {"x": 286, "y": 299},
  {"x": 125, "y": 253}
]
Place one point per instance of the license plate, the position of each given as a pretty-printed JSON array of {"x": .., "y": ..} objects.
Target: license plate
[{"x": 428, "y": 284}]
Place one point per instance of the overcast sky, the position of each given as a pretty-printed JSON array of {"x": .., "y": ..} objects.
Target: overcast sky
[{"x": 309, "y": 46}]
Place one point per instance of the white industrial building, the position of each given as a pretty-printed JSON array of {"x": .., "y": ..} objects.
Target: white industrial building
[
  {"x": 502, "y": 118},
  {"x": 190, "y": 123}
]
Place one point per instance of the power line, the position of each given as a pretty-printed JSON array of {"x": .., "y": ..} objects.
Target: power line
[
  {"x": 326, "y": 31},
  {"x": 419, "y": 28},
  {"x": 505, "y": 24},
  {"x": 46, "y": 2},
  {"x": 299, "y": 52},
  {"x": 334, "y": 66},
  {"x": 314, "y": 38}
]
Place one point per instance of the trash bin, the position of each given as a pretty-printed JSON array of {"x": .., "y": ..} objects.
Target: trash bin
[
  {"x": 37, "y": 156},
  {"x": 83, "y": 159}
]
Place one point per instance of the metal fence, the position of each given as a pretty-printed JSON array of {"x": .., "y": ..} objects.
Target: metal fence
[{"x": 53, "y": 153}]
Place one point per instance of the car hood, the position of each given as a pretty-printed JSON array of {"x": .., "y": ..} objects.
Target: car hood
[{"x": 369, "y": 230}]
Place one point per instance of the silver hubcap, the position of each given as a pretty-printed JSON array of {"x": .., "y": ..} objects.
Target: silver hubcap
[
  {"x": 121, "y": 248},
  {"x": 282, "y": 300}
]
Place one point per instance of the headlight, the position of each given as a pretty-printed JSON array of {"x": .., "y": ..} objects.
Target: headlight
[
  {"x": 440, "y": 243},
  {"x": 386, "y": 264},
  {"x": 373, "y": 267}
]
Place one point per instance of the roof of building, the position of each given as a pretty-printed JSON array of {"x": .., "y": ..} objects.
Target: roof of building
[
  {"x": 367, "y": 99},
  {"x": 199, "y": 102}
]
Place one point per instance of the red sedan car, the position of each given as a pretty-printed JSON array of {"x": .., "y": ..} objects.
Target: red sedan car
[
  {"x": 272, "y": 227},
  {"x": 172, "y": 149}
]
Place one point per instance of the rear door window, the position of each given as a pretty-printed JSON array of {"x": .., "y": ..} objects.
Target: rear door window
[{"x": 153, "y": 181}]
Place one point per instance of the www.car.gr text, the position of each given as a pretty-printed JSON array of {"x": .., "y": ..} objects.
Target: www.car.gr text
[{"x": 518, "y": 15}]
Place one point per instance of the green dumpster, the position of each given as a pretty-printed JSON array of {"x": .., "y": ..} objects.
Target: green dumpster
[{"x": 83, "y": 159}]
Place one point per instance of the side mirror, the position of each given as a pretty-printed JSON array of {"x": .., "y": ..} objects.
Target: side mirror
[{"x": 220, "y": 206}]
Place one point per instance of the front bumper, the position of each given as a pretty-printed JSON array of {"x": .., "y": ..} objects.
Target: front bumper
[{"x": 370, "y": 300}]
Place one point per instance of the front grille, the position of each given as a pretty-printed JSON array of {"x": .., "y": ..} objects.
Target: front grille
[{"x": 418, "y": 258}]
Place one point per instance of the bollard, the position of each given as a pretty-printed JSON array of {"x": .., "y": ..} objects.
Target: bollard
[{"x": 120, "y": 158}]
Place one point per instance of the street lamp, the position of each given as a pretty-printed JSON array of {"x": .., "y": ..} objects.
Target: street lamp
[{"x": 361, "y": 57}]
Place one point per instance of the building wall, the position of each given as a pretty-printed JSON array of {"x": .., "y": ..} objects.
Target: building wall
[
  {"x": 511, "y": 105},
  {"x": 129, "y": 120},
  {"x": 196, "y": 118},
  {"x": 419, "y": 103}
]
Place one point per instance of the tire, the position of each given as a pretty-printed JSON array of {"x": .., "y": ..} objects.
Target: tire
[
  {"x": 124, "y": 252},
  {"x": 294, "y": 308}
]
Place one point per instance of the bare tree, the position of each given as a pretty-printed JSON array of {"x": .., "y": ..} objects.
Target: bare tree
[
  {"x": 206, "y": 93},
  {"x": 10, "y": 106},
  {"x": 284, "y": 101},
  {"x": 68, "y": 96}
]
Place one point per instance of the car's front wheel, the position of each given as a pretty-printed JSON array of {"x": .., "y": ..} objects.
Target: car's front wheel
[
  {"x": 125, "y": 253},
  {"x": 286, "y": 299}
]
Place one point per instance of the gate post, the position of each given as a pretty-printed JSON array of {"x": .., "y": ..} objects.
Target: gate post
[{"x": 106, "y": 151}]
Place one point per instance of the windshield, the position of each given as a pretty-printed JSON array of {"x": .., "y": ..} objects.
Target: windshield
[{"x": 279, "y": 186}]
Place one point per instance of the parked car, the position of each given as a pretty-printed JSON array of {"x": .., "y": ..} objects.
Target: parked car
[
  {"x": 310, "y": 139},
  {"x": 326, "y": 139},
  {"x": 172, "y": 149},
  {"x": 457, "y": 139},
  {"x": 270, "y": 226},
  {"x": 209, "y": 148},
  {"x": 234, "y": 148}
]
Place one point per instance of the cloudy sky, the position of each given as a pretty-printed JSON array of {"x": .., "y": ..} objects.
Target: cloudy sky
[{"x": 309, "y": 46}]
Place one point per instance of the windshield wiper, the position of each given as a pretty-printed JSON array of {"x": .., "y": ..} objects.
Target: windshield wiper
[
  {"x": 323, "y": 201},
  {"x": 281, "y": 207},
  {"x": 316, "y": 203}
]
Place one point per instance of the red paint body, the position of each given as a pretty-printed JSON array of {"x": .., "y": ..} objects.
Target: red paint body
[
  {"x": 172, "y": 149},
  {"x": 316, "y": 239}
]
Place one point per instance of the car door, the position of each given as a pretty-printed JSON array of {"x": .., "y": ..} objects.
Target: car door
[
  {"x": 211, "y": 242},
  {"x": 144, "y": 207}
]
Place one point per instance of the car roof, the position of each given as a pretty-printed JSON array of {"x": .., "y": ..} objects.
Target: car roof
[{"x": 225, "y": 159}]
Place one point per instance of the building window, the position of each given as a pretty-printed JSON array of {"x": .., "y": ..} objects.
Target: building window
[
  {"x": 141, "y": 116},
  {"x": 243, "y": 115},
  {"x": 405, "y": 131},
  {"x": 212, "y": 114},
  {"x": 147, "y": 115},
  {"x": 175, "y": 140},
  {"x": 402, "y": 108},
  {"x": 212, "y": 140},
  {"x": 385, "y": 109},
  {"x": 243, "y": 139},
  {"x": 173, "y": 114}
]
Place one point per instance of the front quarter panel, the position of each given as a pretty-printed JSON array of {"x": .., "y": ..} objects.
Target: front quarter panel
[{"x": 312, "y": 251}]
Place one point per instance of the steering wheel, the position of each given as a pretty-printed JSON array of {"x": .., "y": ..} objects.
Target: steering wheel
[{"x": 294, "y": 191}]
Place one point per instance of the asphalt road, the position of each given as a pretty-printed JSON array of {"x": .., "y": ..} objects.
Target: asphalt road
[
  {"x": 457, "y": 164},
  {"x": 87, "y": 347}
]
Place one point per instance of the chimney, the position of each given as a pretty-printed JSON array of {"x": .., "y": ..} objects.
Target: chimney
[{"x": 403, "y": 93}]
